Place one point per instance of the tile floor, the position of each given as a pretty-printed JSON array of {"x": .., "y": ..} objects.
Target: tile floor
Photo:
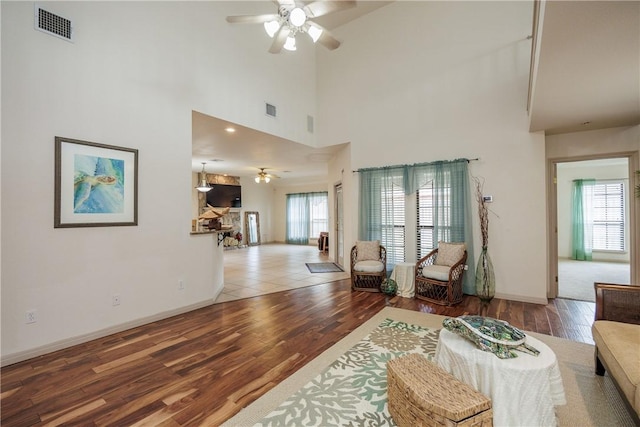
[{"x": 259, "y": 270}]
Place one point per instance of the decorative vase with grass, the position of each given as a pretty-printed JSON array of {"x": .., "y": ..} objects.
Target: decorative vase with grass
[{"x": 485, "y": 276}]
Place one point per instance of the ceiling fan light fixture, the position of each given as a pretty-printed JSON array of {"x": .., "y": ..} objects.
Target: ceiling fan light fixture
[
  {"x": 290, "y": 44},
  {"x": 271, "y": 27},
  {"x": 262, "y": 177},
  {"x": 297, "y": 17},
  {"x": 314, "y": 32}
]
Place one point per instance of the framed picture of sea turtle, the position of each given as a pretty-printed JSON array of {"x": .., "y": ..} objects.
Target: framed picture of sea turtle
[{"x": 96, "y": 185}]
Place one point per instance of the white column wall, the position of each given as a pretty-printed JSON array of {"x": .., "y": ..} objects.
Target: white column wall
[{"x": 131, "y": 78}]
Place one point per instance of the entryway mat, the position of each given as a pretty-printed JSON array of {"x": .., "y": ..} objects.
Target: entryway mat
[{"x": 323, "y": 267}]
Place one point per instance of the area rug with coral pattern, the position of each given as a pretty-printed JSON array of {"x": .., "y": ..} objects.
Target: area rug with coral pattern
[{"x": 347, "y": 384}]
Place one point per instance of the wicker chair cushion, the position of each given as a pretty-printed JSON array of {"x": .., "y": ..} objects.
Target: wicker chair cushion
[
  {"x": 437, "y": 272},
  {"x": 368, "y": 250},
  {"x": 368, "y": 266},
  {"x": 449, "y": 253}
]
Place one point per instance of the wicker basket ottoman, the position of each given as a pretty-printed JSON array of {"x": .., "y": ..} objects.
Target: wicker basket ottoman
[{"x": 422, "y": 394}]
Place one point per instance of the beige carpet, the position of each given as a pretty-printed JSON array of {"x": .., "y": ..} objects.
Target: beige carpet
[
  {"x": 576, "y": 278},
  {"x": 591, "y": 400}
]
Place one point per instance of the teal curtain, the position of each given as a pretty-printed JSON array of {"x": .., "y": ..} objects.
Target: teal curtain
[
  {"x": 582, "y": 219},
  {"x": 452, "y": 207},
  {"x": 382, "y": 210},
  {"x": 382, "y": 207},
  {"x": 298, "y": 219}
]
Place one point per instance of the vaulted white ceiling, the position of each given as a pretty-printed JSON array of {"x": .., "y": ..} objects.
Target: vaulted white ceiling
[{"x": 586, "y": 76}]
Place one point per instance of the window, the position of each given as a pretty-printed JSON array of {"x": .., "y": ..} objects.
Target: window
[
  {"x": 410, "y": 208},
  {"x": 608, "y": 216},
  {"x": 318, "y": 213},
  {"x": 307, "y": 216},
  {"x": 424, "y": 240},
  {"x": 393, "y": 223}
]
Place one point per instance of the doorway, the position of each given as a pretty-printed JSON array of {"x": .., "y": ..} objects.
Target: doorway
[{"x": 592, "y": 240}]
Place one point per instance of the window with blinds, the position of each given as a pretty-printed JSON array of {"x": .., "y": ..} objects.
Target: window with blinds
[
  {"x": 428, "y": 212},
  {"x": 425, "y": 242},
  {"x": 393, "y": 222},
  {"x": 608, "y": 216}
]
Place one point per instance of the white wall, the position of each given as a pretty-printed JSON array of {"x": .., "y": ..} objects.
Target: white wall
[
  {"x": 445, "y": 80},
  {"x": 566, "y": 173},
  {"x": 259, "y": 198},
  {"x": 132, "y": 78}
]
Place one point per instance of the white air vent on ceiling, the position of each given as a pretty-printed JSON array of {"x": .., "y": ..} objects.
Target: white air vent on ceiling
[
  {"x": 53, "y": 24},
  {"x": 271, "y": 110}
]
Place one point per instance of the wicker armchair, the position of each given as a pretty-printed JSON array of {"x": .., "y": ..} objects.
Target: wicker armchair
[
  {"x": 440, "y": 284},
  {"x": 367, "y": 275}
]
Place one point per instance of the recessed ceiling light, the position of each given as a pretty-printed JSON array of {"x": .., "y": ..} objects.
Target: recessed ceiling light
[{"x": 230, "y": 129}]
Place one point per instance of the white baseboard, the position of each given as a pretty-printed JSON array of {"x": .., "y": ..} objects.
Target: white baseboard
[
  {"x": 20, "y": 356},
  {"x": 520, "y": 298}
]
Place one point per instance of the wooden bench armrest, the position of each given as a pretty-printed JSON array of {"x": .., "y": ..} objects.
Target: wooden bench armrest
[{"x": 619, "y": 303}]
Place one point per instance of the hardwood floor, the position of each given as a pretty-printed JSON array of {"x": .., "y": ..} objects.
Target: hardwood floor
[{"x": 202, "y": 367}]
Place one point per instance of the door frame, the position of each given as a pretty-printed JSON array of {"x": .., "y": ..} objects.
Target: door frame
[
  {"x": 552, "y": 216},
  {"x": 339, "y": 219}
]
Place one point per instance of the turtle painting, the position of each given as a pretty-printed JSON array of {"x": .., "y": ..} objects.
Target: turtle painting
[{"x": 492, "y": 335}]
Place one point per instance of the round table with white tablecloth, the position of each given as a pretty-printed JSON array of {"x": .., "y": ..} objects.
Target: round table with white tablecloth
[
  {"x": 404, "y": 275},
  {"x": 523, "y": 390}
]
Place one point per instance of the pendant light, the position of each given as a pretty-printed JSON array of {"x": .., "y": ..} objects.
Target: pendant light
[{"x": 203, "y": 184}]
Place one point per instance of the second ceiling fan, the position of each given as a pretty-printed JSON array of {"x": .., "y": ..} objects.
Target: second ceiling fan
[{"x": 295, "y": 17}]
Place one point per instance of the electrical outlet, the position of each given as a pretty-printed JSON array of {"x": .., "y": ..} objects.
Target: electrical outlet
[
  {"x": 115, "y": 300},
  {"x": 181, "y": 285},
  {"x": 31, "y": 316}
]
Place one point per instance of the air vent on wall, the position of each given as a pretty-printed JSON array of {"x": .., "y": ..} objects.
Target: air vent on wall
[
  {"x": 53, "y": 24},
  {"x": 271, "y": 110}
]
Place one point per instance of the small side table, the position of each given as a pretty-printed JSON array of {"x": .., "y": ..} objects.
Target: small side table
[
  {"x": 404, "y": 275},
  {"x": 524, "y": 391}
]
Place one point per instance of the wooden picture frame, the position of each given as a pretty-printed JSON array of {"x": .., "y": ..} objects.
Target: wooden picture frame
[{"x": 96, "y": 185}]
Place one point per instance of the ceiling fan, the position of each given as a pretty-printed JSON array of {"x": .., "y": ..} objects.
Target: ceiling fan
[
  {"x": 295, "y": 17},
  {"x": 264, "y": 177}
]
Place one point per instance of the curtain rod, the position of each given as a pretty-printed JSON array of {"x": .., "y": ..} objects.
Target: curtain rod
[{"x": 417, "y": 164}]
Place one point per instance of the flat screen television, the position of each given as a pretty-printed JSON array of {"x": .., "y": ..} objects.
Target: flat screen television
[{"x": 225, "y": 196}]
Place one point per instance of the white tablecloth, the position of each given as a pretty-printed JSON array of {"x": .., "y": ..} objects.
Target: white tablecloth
[
  {"x": 523, "y": 390},
  {"x": 403, "y": 274}
]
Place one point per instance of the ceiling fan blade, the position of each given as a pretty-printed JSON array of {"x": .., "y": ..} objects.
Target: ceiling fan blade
[
  {"x": 279, "y": 39},
  {"x": 251, "y": 19},
  {"x": 326, "y": 39},
  {"x": 285, "y": 2},
  {"x": 319, "y": 8}
]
